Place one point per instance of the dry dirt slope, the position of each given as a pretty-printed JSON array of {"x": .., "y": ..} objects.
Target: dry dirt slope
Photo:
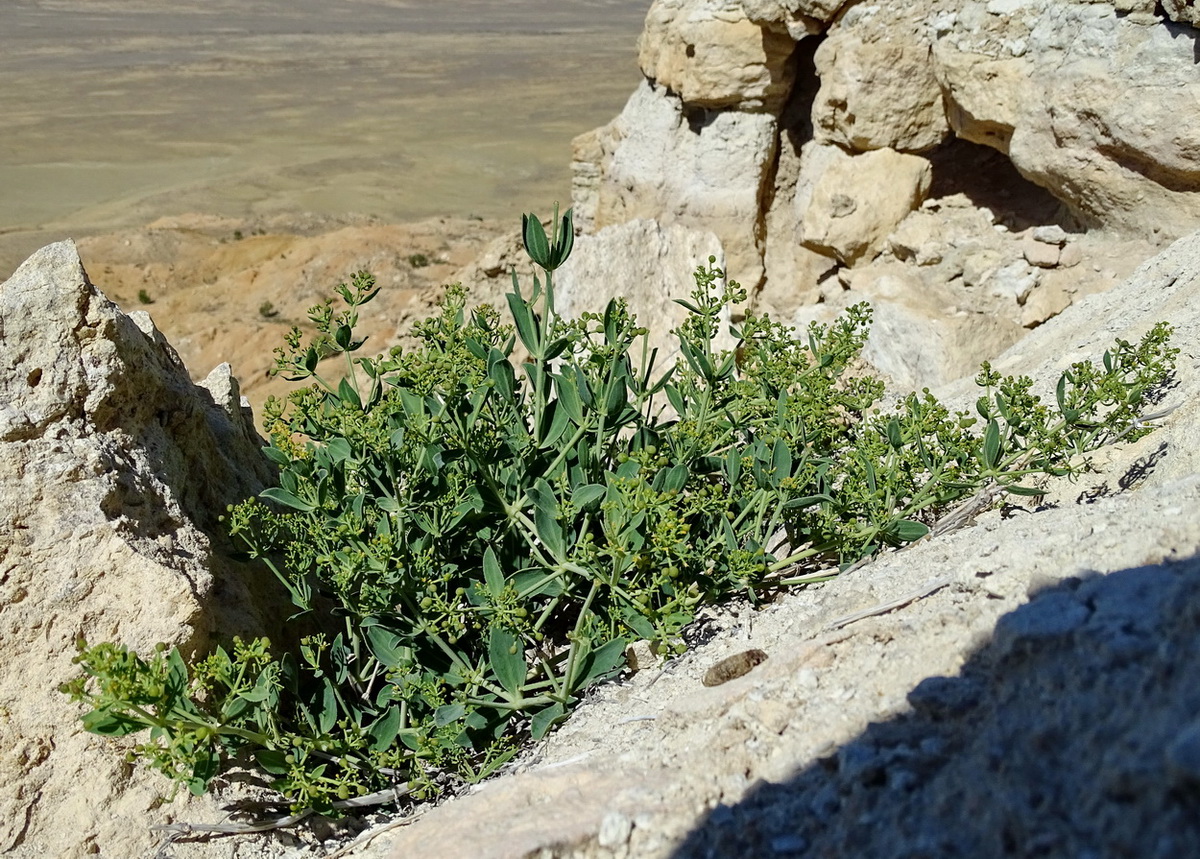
[{"x": 1040, "y": 701}]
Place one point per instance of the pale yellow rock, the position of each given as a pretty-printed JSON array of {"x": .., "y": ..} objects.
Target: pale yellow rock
[
  {"x": 878, "y": 94},
  {"x": 982, "y": 94},
  {"x": 802, "y": 15},
  {"x": 1099, "y": 109},
  {"x": 713, "y": 56},
  {"x": 661, "y": 160},
  {"x": 602, "y": 267},
  {"x": 857, "y": 200},
  {"x": 113, "y": 469}
]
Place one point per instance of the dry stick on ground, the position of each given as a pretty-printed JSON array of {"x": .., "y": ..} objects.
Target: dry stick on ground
[{"x": 179, "y": 830}]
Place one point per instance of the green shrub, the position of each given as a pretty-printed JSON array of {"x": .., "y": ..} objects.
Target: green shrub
[
  {"x": 144, "y": 297},
  {"x": 418, "y": 260},
  {"x": 268, "y": 310},
  {"x": 475, "y": 543}
]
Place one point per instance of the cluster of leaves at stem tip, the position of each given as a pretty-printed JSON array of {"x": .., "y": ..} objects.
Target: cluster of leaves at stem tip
[{"x": 474, "y": 530}]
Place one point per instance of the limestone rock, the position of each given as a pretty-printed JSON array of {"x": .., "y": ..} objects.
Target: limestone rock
[
  {"x": 113, "y": 469},
  {"x": 792, "y": 271},
  {"x": 1039, "y": 253},
  {"x": 800, "y": 15},
  {"x": 702, "y": 169},
  {"x": 1182, "y": 11},
  {"x": 983, "y": 94},
  {"x": 647, "y": 264},
  {"x": 713, "y": 56},
  {"x": 1097, "y": 108},
  {"x": 877, "y": 91},
  {"x": 855, "y": 201}
]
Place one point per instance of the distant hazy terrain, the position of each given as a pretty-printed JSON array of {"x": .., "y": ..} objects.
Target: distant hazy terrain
[{"x": 117, "y": 112}]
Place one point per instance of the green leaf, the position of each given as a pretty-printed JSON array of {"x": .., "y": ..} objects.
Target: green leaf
[
  {"x": 587, "y": 497},
  {"x": 537, "y": 583},
  {"x": 628, "y": 469},
  {"x": 991, "y": 445},
  {"x": 507, "y": 659},
  {"x": 781, "y": 462},
  {"x": 568, "y": 398},
  {"x": 543, "y": 720},
  {"x": 348, "y": 395},
  {"x": 806, "y": 501},
  {"x": 1060, "y": 393},
  {"x": 675, "y": 477},
  {"x": 110, "y": 724},
  {"x": 204, "y": 767},
  {"x": 907, "y": 530},
  {"x": 733, "y": 465},
  {"x": 502, "y": 376},
  {"x": 277, "y": 456},
  {"x": 534, "y": 237},
  {"x": 383, "y": 731},
  {"x": 327, "y": 715},
  {"x": 527, "y": 328},
  {"x": 676, "y": 400},
  {"x": 1016, "y": 489},
  {"x": 615, "y": 399},
  {"x": 287, "y": 499},
  {"x": 492, "y": 573},
  {"x": 640, "y": 625},
  {"x": 1003, "y": 406},
  {"x": 610, "y": 321},
  {"x": 338, "y": 449},
  {"x": 601, "y": 662},
  {"x": 556, "y": 348},
  {"x": 545, "y": 518},
  {"x": 559, "y": 421},
  {"x": 387, "y": 647},
  {"x": 448, "y": 713},
  {"x": 273, "y": 761},
  {"x": 895, "y": 438}
]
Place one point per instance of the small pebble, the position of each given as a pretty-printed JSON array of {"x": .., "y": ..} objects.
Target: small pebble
[
  {"x": 733, "y": 667},
  {"x": 615, "y": 829}
]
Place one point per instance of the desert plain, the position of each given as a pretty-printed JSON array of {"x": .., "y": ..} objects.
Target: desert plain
[{"x": 116, "y": 113}]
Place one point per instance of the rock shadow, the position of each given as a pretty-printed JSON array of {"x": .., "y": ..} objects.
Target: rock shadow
[
  {"x": 1073, "y": 732},
  {"x": 990, "y": 180}
]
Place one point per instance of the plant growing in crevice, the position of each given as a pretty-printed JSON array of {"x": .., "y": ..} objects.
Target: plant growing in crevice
[{"x": 476, "y": 542}]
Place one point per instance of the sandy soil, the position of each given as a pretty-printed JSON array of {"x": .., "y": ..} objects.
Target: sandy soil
[{"x": 114, "y": 114}]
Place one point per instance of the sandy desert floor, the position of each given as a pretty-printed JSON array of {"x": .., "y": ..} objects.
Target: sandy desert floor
[{"x": 114, "y": 113}]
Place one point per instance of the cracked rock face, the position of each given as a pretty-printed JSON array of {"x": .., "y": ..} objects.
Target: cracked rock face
[
  {"x": 804, "y": 134},
  {"x": 114, "y": 467}
]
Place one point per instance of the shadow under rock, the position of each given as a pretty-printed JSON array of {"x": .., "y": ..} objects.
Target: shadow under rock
[{"x": 1075, "y": 731}]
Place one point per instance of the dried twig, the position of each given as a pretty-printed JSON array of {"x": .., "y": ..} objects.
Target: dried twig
[
  {"x": 964, "y": 513},
  {"x": 883, "y": 608},
  {"x": 181, "y": 829},
  {"x": 372, "y": 834}
]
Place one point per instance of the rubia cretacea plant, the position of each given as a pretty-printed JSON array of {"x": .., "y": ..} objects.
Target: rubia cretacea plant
[{"x": 476, "y": 538}]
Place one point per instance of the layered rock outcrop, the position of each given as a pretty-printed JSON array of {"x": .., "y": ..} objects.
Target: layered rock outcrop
[
  {"x": 114, "y": 467},
  {"x": 808, "y": 134}
]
